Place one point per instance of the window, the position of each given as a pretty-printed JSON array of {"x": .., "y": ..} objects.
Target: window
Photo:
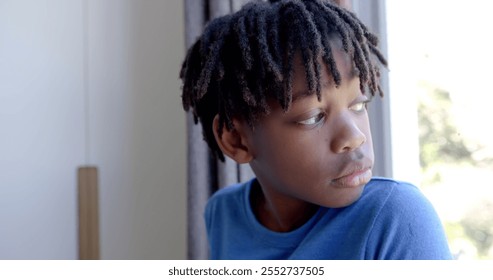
[{"x": 440, "y": 90}]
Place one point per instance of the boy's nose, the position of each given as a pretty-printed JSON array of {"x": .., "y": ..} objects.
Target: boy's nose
[{"x": 347, "y": 135}]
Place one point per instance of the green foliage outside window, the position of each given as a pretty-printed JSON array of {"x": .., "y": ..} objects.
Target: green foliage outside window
[{"x": 442, "y": 144}]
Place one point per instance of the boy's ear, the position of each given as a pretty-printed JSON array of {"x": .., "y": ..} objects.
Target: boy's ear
[{"x": 233, "y": 143}]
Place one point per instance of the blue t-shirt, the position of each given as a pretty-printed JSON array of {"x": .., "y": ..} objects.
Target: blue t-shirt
[{"x": 391, "y": 220}]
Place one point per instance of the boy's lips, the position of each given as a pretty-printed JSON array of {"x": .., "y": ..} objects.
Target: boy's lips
[{"x": 354, "y": 177}]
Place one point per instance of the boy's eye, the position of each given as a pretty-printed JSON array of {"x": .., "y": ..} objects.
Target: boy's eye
[
  {"x": 313, "y": 120},
  {"x": 359, "y": 107}
]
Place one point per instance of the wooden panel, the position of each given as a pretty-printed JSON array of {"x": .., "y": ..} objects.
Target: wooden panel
[{"x": 88, "y": 213}]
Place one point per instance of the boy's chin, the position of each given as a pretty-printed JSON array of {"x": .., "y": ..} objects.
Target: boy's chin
[{"x": 344, "y": 200}]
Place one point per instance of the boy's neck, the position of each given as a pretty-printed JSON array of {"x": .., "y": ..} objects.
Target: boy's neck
[{"x": 279, "y": 215}]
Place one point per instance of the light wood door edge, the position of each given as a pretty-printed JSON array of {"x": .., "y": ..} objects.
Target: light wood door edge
[{"x": 88, "y": 208}]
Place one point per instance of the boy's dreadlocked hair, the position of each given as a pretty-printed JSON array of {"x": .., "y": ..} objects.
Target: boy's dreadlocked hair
[{"x": 245, "y": 58}]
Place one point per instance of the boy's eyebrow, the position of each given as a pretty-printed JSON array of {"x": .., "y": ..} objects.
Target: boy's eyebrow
[
  {"x": 353, "y": 74},
  {"x": 297, "y": 95}
]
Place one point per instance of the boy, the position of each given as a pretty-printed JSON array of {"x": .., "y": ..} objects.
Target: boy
[{"x": 283, "y": 86}]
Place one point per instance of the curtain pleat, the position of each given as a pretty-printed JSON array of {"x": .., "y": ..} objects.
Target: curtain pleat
[
  {"x": 198, "y": 164},
  {"x": 205, "y": 174}
]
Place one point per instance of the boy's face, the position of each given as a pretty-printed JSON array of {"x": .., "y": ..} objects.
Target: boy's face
[{"x": 319, "y": 151}]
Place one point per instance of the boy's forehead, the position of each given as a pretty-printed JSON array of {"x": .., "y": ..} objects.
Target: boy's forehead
[{"x": 345, "y": 65}]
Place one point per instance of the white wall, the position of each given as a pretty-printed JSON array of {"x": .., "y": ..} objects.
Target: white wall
[{"x": 136, "y": 126}]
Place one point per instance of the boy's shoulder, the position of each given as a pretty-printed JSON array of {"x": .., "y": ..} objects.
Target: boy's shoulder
[
  {"x": 391, "y": 190},
  {"x": 388, "y": 185},
  {"x": 394, "y": 204},
  {"x": 394, "y": 197},
  {"x": 388, "y": 182},
  {"x": 235, "y": 190},
  {"x": 404, "y": 217},
  {"x": 234, "y": 195}
]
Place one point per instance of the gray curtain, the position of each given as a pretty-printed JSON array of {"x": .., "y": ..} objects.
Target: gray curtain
[{"x": 205, "y": 175}]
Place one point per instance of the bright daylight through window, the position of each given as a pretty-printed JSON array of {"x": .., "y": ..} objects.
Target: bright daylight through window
[{"x": 440, "y": 55}]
